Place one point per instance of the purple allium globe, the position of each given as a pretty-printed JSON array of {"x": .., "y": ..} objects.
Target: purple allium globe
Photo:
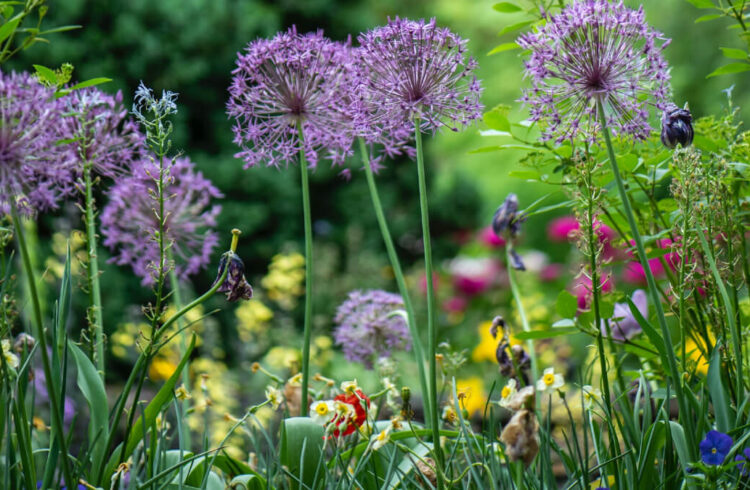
[
  {"x": 292, "y": 81},
  {"x": 111, "y": 140},
  {"x": 129, "y": 219},
  {"x": 415, "y": 69},
  {"x": 369, "y": 326},
  {"x": 35, "y": 171},
  {"x": 595, "y": 50}
]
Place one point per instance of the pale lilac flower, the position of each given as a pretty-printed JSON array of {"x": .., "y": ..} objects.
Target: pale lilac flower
[
  {"x": 35, "y": 171},
  {"x": 626, "y": 326},
  {"x": 414, "y": 69},
  {"x": 286, "y": 83},
  {"x": 369, "y": 324},
  {"x": 595, "y": 50},
  {"x": 108, "y": 138},
  {"x": 129, "y": 220}
]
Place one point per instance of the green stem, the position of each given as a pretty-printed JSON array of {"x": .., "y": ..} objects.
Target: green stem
[
  {"x": 431, "y": 331},
  {"x": 653, "y": 290},
  {"x": 177, "y": 300},
  {"x": 308, "y": 276},
  {"x": 41, "y": 338},
  {"x": 400, "y": 280},
  {"x": 521, "y": 311},
  {"x": 95, "y": 293}
]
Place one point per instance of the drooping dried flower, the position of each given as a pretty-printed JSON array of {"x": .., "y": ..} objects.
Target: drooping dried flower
[
  {"x": 234, "y": 285},
  {"x": 368, "y": 324},
  {"x": 595, "y": 50},
  {"x": 414, "y": 69},
  {"x": 35, "y": 171},
  {"x": 521, "y": 437},
  {"x": 506, "y": 220},
  {"x": 676, "y": 126},
  {"x": 286, "y": 97},
  {"x": 129, "y": 220}
]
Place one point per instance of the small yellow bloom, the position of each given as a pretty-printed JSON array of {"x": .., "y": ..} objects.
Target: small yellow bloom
[
  {"x": 182, "y": 393},
  {"x": 321, "y": 412},
  {"x": 507, "y": 392},
  {"x": 471, "y": 394},
  {"x": 381, "y": 439},
  {"x": 274, "y": 396},
  {"x": 550, "y": 381},
  {"x": 449, "y": 414},
  {"x": 161, "y": 369},
  {"x": 349, "y": 387},
  {"x": 10, "y": 358}
]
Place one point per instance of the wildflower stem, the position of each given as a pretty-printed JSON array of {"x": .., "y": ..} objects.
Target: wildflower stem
[
  {"x": 95, "y": 293},
  {"x": 308, "y": 275},
  {"x": 399, "y": 275},
  {"x": 431, "y": 331},
  {"x": 521, "y": 311},
  {"x": 653, "y": 291},
  {"x": 178, "y": 305},
  {"x": 54, "y": 400}
]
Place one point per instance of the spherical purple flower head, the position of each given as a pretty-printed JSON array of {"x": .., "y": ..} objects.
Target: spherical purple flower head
[
  {"x": 35, "y": 171},
  {"x": 416, "y": 69},
  {"x": 595, "y": 50},
  {"x": 288, "y": 81},
  {"x": 368, "y": 325},
  {"x": 111, "y": 140},
  {"x": 129, "y": 219},
  {"x": 715, "y": 447}
]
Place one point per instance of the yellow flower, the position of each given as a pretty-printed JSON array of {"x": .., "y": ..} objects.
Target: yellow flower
[
  {"x": 253, "y": 317},
  {"x": 282, "y": 357},
  {"x": 449, "y": 414},
  {"x": 349, "y": 387},
  {"x": 161, "y": 368},
  {"x": 274, "y": 396},
  {"x": 182, "y": 393},
  {"x": 486, "y": 349},
  {"x": 695, "y": 355},
  {"x": 285, "y": 278},
  {"x": 591, "y": 396},
  {"x": 10, "y": 358},
  {"x": 470, "y": 394}
]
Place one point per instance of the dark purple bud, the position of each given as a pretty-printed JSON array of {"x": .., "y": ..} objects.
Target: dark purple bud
[
  {"x": 676, "y": 127},
  {"x": 516, "y": 261},
  {"x": 235, "y": 285},
  {"x": 498, "y": 322},
  {"x": 520, "y": 357},
  {"x": 506, "y": 217}
]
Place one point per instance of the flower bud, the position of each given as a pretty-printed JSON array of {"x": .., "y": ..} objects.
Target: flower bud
[
  {"x": 235, "y": 285},
  {"x": 506, "y": 217},
  {"x": 676, "y": 127}
]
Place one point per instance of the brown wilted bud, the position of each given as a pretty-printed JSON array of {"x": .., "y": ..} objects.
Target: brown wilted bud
[
  {"x": 426, "y": 469},
  {"x": 254, "y": 367},
  {"x": 521, "y": 437},
  {"x": 24, "y": 343},
  {"x": 293, "y": 397},
  {"x": 522, "y": 399}
]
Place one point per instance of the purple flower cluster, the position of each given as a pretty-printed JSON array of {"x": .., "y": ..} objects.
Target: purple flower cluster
[
  {"x": 286, "y": 96},
  {"x": 595, "y": 51},
  {"x": 35, "y": 171},
  {"x": 368, "y": 325},
  {"x": 130, "y": 218},
  {"x": 109, "y": 140},
  {"x": 306, "y": 93}
]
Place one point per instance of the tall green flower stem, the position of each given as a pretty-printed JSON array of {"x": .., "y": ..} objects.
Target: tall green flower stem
[
  {"x": 308, "y": 275},
  {"x": 431, "y": 331},
  {"x": 55, "y": 405},
  {"x": 178, "y": 304},
  {"x": 652, "y": 289},
  {"x": 400, "y": 281},
  {"x": 521, "y": 311},
  {"x": 95, "y": 292}
]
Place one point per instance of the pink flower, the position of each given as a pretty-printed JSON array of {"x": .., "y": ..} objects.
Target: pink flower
[
  {"x": 423, "y": 282},
  {"x": 551, "y": 272},
  {"x": 456, "y": 304},
  {"x": 634, "y": 273},
  {"x": 488, "y": 237},
  {"x": 472, "y": 276},
  {"x": 582, "y": 289},
  {"x": 560, "y": 229}
]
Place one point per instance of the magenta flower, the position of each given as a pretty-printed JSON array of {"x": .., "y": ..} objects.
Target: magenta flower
[
  {"x": 488, "y": 237},
  {"x": 286, "y": 83},
  {"x": 583, "y": 289},
  {"x": 595, "y": 50},
  {"x": 35, "y": 171},
  {"x": 633, "y": 273},
  {"x": 129, "y": 219},
  {"x": 111, "y": 141},
  {"x": 561, "y": 229},
  {"x": 414, "y": 69},
  {"x": 368, "y": 325}
]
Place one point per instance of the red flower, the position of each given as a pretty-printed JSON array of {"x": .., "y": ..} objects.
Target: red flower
[{"x": 360, "y": 403}]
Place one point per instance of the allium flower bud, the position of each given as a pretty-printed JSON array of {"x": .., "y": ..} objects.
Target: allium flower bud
[
  {"x": 676, "y": 126},
  {"x": 235, "y": 284}
]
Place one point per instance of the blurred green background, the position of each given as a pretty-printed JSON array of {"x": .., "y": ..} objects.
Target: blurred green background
[{"x": 189, "y": 46}]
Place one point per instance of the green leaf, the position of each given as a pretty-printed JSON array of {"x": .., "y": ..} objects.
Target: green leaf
[
  {"x": 302, "y": 449},
  {"x": 507, "y": 7},
  {"x": 680, "y": 443},
  {"x": 92, "y": 387},
  {"x": 730, "y": 68},
  {"x": 719, "y": 398},
  {"x": 90, "y": 83},
  {"x": 606, "y": 308},
  {"x": 654, "y": 336},
  {"x": 566, "y": 305},
  {"x": 46, "y": 74},
  {"x": 247, "y": 482},
  {"x": 497, "y": 118},
  {"x": 703, "y": 4},
  {"x": 705, "y": 18},
  {"x": 734, "y": 53},
  {"x": 226, "y": 464},
  {"x": 10, "y": 27},
  {"x": 515, "y": 27},
  {"x": 504, "y": 47},
  {"x": 546, "y": 334}
]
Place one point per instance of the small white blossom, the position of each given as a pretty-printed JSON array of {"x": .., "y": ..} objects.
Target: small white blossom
[
  {"x": 274, "y": 396},
  {"x": 381, "y": 439},
  {"x": 550, "y": 381},
  {"x": 349, "y": 387},
  {"x": 10, "y": 358},
  {"x": 507, "y": 392},
  {"x": 322, "y": 412},
  {"x": 591, "y": 396}
]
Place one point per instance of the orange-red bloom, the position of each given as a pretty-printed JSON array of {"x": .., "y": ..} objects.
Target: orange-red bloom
[{"x": 360, "y": 403}]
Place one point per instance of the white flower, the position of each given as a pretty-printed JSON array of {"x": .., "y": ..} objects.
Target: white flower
[
  {"x": 507, "y": 392},
  {"x": 274, "y": 396},
  {"x": 591, "y": 396},
  {"x": 295, "y": 380},
  {"x": 381, "y": 439},
  {"x": 349, "y": 387},
  {"x": 10, "y": 358},
  {"x": 322, "y": 412},
  {"x": 550, "y": 381},
  {"x": 449, "y": 414}
]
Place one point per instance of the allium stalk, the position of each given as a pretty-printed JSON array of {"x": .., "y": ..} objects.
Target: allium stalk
[
  {"x": 308, "y": 275},
  {"x": 398, "y": 273}
]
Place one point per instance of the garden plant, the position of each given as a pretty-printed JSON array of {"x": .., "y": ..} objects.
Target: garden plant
[{"x": 617, "y": 360}]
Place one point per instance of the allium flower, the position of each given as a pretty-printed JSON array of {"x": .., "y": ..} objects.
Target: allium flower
[
  {"x": 627, "y": 327},
  {"x": 129, "y": 220},
  {"x": 676, "y": 126},
  {"x": 35, "y": 171},
  {"x": 368, "y": 325},
  {"x": 595, "y": 51},
  {"x": 416, "y": 69},
  {"x": 290, "y": 82},
  {"x": 715, "y": 447},
  {"x": 111, "y": 141},
  {"x": 550, "y": 381}
]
